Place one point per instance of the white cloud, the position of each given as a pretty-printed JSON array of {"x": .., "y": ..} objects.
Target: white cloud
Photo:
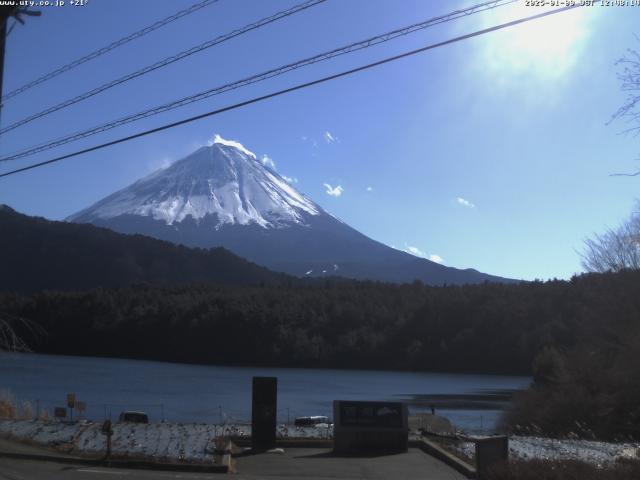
[
  {"x": 415, "y": 251},
  {"x": 369, "y": 189},
  {"x": 268, "y": 162},
  {"x": 329, "y": 138},
  {"x": 290, "y": 179},
  {"x": 435, "y": 258},
  {"x": 419, "y": 253},
  {"x": 311, "y": 140},
  {"x": 465, "y": 203},
  {"x": 160, "y": 164},
  {"x": 334, "y": 192}
]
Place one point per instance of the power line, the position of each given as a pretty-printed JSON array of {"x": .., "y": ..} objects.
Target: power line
[
  {"x": 369, "y": 42},
  {"x": 101, "y": 51},
  {"x": 293, "y": 89},
  {"x": 166, "y": 61}
]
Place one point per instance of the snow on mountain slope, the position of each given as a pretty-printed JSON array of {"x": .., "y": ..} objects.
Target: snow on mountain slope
[
  {"x": 222, "y": 195},
  {"x": 224, "y": 179}
]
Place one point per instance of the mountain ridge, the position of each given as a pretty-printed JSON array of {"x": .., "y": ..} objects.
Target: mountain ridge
[
  {"x": 222, "y": 195},
  {"x": 38, "y": 254}
]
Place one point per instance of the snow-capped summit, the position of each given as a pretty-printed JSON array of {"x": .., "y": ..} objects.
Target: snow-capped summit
[
  {"x": 232, "y": 143},
  {"x": 223, "y": 195},
  {"x": 223, "y": 179}
]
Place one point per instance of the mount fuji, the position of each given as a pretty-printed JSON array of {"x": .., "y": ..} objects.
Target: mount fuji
[{"x": 222, "y": 195}]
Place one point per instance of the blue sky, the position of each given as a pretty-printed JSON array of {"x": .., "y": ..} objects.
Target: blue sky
[{"x": 492, "y": 153}]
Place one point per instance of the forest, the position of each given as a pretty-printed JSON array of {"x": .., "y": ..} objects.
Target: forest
[{"x": 579, "y": 339}]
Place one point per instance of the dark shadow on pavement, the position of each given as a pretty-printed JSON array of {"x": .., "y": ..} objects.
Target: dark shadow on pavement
[{"x": 331, "y": 454}]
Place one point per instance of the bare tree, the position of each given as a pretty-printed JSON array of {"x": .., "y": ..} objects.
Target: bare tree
[
  {"x": 629, "y": 76},
  {"x": 9, "y": 338},
  {"x": 616, "y": 249}
]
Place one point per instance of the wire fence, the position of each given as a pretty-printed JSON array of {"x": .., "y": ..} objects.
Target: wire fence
[
  {"x": 157, "y": 412},
  {"x": 234, "y": 420}
]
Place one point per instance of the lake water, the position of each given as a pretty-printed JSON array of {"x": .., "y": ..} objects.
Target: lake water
[{"x": 211, "y": 394}]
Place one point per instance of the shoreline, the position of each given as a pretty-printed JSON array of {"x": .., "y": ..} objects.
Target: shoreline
[{"x": 163, "y": 391}]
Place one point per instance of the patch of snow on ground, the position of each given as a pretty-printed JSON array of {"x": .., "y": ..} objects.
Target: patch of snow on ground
[
  {"x": 591, "y": 451},
  {"x": 193, "y": 443},
  {"x": 169, "y": 442}
]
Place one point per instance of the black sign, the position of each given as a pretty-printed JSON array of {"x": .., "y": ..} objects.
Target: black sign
[
  {"x": 60, "y": 412},
  {"x": 263, "y": 413},
  {"x": 365, "y": 427},
  {"x": 371, "y": 414}
]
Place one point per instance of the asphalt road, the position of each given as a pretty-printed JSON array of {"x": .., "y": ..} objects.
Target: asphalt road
[
  {"x": 297, "y": 463},
  {"x": 38, "y": 470}
]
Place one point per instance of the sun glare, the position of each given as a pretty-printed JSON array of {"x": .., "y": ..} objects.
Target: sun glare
[{"x": 547, "y": 46}]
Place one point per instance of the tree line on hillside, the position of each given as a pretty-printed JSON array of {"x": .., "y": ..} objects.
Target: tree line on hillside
[{"x": 486, "y": 328}]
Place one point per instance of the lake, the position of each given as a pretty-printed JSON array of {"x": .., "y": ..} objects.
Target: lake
[{"x": 211, "y": 394}]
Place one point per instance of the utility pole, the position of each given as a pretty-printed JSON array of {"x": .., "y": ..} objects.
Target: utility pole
[{"x": 7, "y": 11}]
